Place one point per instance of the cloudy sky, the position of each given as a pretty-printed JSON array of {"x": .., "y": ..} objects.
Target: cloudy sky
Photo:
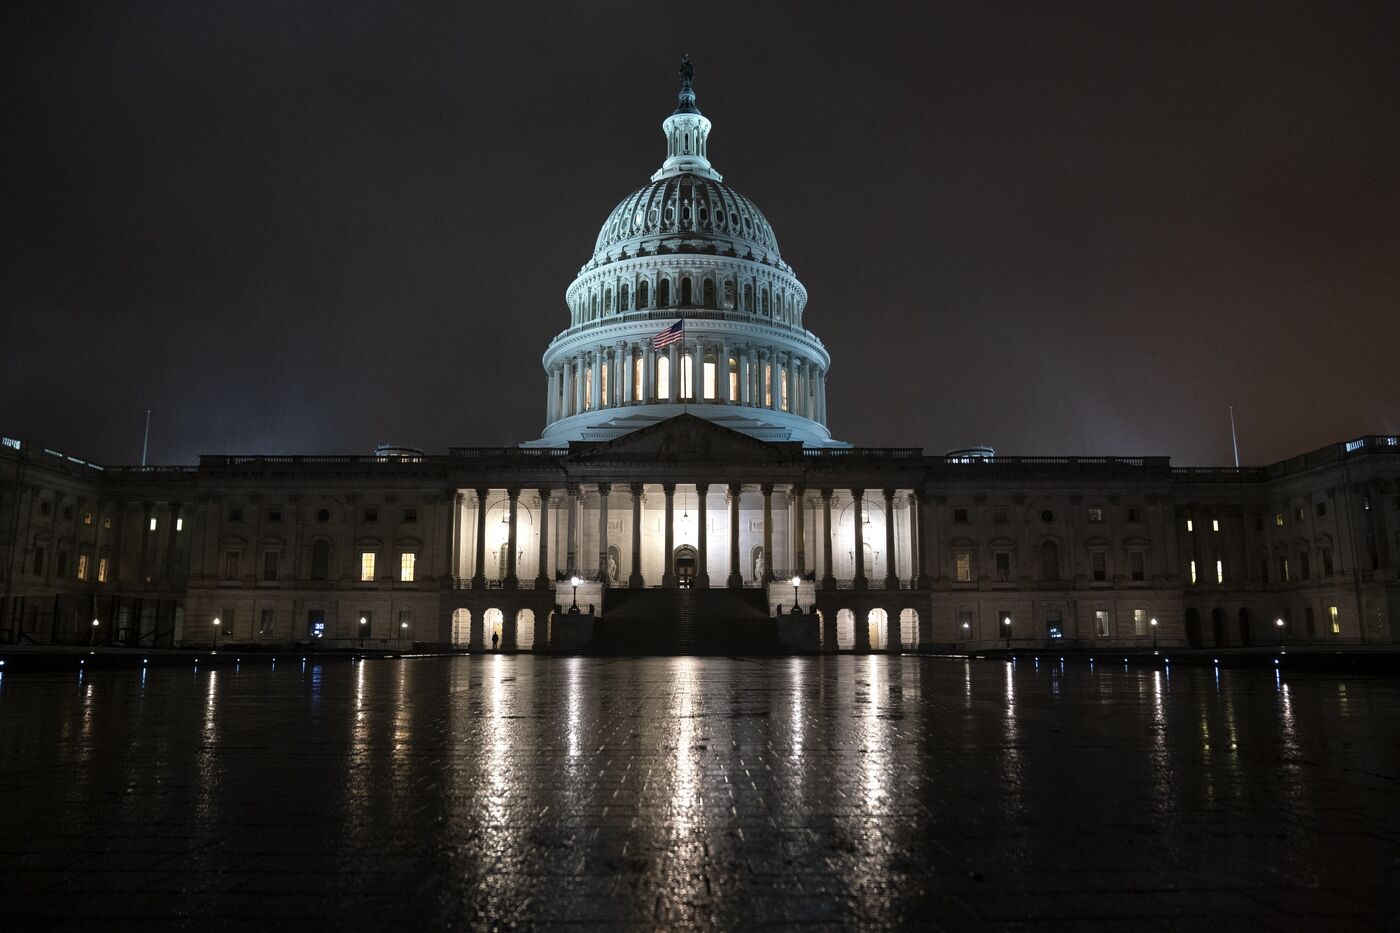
[{"x": 1055, "y": 228}]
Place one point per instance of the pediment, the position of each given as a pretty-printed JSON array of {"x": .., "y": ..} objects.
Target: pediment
[{"x": 685, "y": 439}]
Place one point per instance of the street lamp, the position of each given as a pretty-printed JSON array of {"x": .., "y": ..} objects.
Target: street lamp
[
  {"x": 1006, "y": 625},
  {"x": 93, "y": 637},
  {"x": 575, "y": 581},
  {"x": 967, "y": 630},
  {"x": 216, "y": 632},
  {"x": 1154, "y": 634},
  {"x": 364, "y": 624},
  {"x": 795, "y": 581},
  {"x": 1278, "y": 624},
  {"x": 403, "y": 628}
]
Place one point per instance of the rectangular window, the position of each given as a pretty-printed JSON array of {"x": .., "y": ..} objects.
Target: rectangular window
[
  {"x": 1304, "y": 565},
  {"x": 153, "y": 524},
  {"x": 604, "y": 372},
  {"x": 45, "y": 507},
  {"x": 707, "y": 380},
  {"x": 1139, "y": 622},
  {"x": 1137, "y": 565},
  {"x": 1190, "y": 525},
  {"x": 101, "y": 570},
  {"x": 265, "y": 622},
  {"x": 1134, "y": 515},
  {"x": 1258, "y": 523},
  {"x": 230, "y": 565},
  {"x": 1264, "y": 570},
  {"x": 410, "y": 516},
  {"x": 638, "y": 380},
  {"x": 1095, "y": 513},
  {"x": 274, "y": 516},
  {"x": 179, "y": 524},
  {"x": 87, "y": 518},
  {"x": 1054, "y": 624},
  {"x": 270, "y": 565},
  {"x": 407, "y": 562},
  {"x": 235, "y": 515},
  {"x": 1278, "y": 519},
  {"x": 963, "y": 562},
  {"x": 733, "y": 381},
  {"x": 61, "y": 565},
  {"x": 1283, "y": 569},
  {"x": 82, "y": 566},
  {"x": 1193, "y": 571},
  {"x": 38, "y": 561},
  {"x": 1334, "y": 619},
  {"x": 366, "y": 566},
  {"x": 998, "y": 516},
  {"x": 1003, "y": 565},
  {"x": 784, "y": 386},
  {"x": 1321, "y": 510},
  {"x": 371, "y": 515},
  {"x": 1101, "y": 623},
  {"x": 1298, "y": 514},
  {"x": 1327, "y": 562},
  {"x": 1219, "y": 571},
  {"x": 960, "y": 516},
  {"x": 767, "y": 385},
  {"x": 965, "y": 622},
  {"x": 1215, "y": 524},
  {"x": 1098, "y": 565}
]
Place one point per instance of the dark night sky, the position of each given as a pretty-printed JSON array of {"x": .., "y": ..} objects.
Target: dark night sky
[{"x": 1054, "y": 228}]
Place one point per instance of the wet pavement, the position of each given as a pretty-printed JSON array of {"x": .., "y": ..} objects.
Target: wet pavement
[{"x": 678, "y": 793}]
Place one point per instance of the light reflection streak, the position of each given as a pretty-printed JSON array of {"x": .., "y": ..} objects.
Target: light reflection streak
[
  {"x": 796, "y": 676},
  {"x": 684, "y": 791},
  {"x": 207, "y": 766},
  {"x": 574, "y": 697}
]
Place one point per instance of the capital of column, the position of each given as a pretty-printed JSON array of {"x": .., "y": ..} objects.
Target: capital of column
[
  {"x": 826, "y": 494},
  {"x": 636, "y": 489},
  {"x": 702, "y": 488},
  {"x": 735, "y": 489},
  {"x": 766, "y": 488},
  {"x": 669, "y": 489},
  {"x": 575, "y": 490},
  {"x": 604, "y": 489},
  {"x": 513, "y": 493}
]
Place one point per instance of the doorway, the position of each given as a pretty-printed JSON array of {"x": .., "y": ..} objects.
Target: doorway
[{"x": 686, "y": 564}]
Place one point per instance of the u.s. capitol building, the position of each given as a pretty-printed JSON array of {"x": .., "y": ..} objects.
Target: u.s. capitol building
[{"x": 687, "y": 494}]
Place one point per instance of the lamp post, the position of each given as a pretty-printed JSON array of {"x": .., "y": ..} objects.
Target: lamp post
[
  {"x": 217, "y": 623},
  {"x": 403, "y": 631},
  {"x": 1278, "y": 624},
  {"x": 364, "y": 624},
  {"x": 796, "y": 580},
  {"x": 967, "y": 630},
  {"x": 575, "y": 581},
  {"x": 1154, "y": 634},
  {"x": 1006, "y": 626},
  {"x": 92, "y": 638}
]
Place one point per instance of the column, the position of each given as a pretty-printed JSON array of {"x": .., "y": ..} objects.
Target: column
[
  {"x": 767, "y": 490},
  {"x": 828, "y": 578},
  {"x": 549, "y": 397},
  {"x": 454, "y": 540},
  {"x": 543, "y": 576},
  {"x": 743, "y": 361},
  {"x": 702, "y": 572},
  {"x": 722, "y": 375},
  {"x": 668, "y": 578},
  {"x": 479, "y": 571},
  {"x": 604, "y": 491},
  {"x": 891, "y": 569},
  {"x": 512, "y": 581},
  {"x": 799, "y": 543},
  {"x": 736, "y": 579},
  {"x": 648, "y": 373},
  {"x": 578, "y": 383},
  {"x": 147, "y": 508},
  {"x": 634, "y": 580},
  {"x": 624, "y": 354},
  {"x": 597, "y": 378},
  {"x": 859, "y": 522},
  {"x": 571, "y": 564},
  {"x": 921, "y": 503},
  {"x": 171, "y": 539}
]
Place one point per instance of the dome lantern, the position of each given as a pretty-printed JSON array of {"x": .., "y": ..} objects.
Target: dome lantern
[{"x": 687, "y": 134}]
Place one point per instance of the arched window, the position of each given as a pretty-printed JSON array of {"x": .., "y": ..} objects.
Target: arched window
[
  {"x": 687, "y": 376},
  {"x": 637, "y": 378},
  {"x": 643, "y": 294},
  {"x": 686, "y": 297},
  {"x": 1049, "y": 561},
  {"x": 622, "y": 297},
  {"x": 748, "y": 297},
  {"x": 592, "y": 306},
  {"x": 603, "y": 394},
  {"x": 663, "y": 293},
  {"x": 709, "y": 293},
  {"x": 733, "y": 380},
  {"x": 663, "y": 377},
  {"x": 320, "y": 560},
  {"x": 729, "y": 293},
  {"x": 588, "y": 388},
  {"x": 765, "y": 302},
  {"x": 709, "y": 378}
]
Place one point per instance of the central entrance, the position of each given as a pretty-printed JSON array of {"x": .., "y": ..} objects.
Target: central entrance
[{"x": 686, "y": 563}]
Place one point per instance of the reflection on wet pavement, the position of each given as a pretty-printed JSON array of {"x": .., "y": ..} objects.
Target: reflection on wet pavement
[{"x": 732, "y": 793}]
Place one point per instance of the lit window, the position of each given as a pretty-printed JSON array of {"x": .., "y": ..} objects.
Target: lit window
[
  {"x": 1095, "y": 513},
  {"x": 1190, "y": 525},
  {"x": 963, "y": 561},
  {"x": 1193, "y": 571},
  {"x": 1139, "y": 621},
  {"x": 767, "y": 385},
  {"x": 1278, "y": 519},
  {"x": 687, "y": 376},
  {"x": 102, "y": 570},
  {"x": 1335, "y": 619},
  {"x": 1220, "y": 571},
  {"x": 87, "y": 518},
  {"x": 709, "y": 380},
  {"x": 1101, "y": 623},
  {"x": 638, "y": 378},
  {"x": 179, "y": 524},
  {"x": 153, "y": 524},
  {"x": 107, "y": 522},
  {"x": 265, "y": 622},
  {"x": 604, "y": 371},
  {"x": 82, "y": 566},
  {"x": 784, "y": 386},
  {"x": 733, "y": 380},
  {"x": 1283, "y": 569},
  {"x": 1215, "y": 524},
  {"x": 407, "y": 560},
  {"x": 366, "y": 566},
  {"x": 663, "y": 377}
]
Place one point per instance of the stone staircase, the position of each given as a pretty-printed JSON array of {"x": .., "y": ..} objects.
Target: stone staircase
[{"x": 685, "y": 621}]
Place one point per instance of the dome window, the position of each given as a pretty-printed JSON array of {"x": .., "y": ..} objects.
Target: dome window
[
  {"x": 643, "y": 294},
  {"x": 748, "y": 297},
  {"x": 670, "y": 215},
  {"x": 733, "y": 219},
  {"x": 663, "y": 293},
  {"x": 709, "y": 293},
  {"x": 622, "y": 297},
  {"x": 637, "y": 220},
  {"x": 687, "y": 297},
  {"x": 729, "y": 293}
]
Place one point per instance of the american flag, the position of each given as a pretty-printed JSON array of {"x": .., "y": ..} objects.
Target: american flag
[{"x": 673, "y": 334}]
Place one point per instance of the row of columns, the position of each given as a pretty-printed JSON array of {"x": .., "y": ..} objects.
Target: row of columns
[
  {"x": 735, "y": 577},
  {"x": 576, "y": 384}
]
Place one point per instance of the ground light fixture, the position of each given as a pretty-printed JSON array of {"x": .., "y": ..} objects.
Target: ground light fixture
[{"x": 575, "y": 581}]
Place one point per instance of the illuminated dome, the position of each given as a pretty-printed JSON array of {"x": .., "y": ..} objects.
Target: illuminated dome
[{"x": 688, "y": 257}]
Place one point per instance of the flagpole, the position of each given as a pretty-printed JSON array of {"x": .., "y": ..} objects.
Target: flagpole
[{"x": 1234, "y": 442}]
